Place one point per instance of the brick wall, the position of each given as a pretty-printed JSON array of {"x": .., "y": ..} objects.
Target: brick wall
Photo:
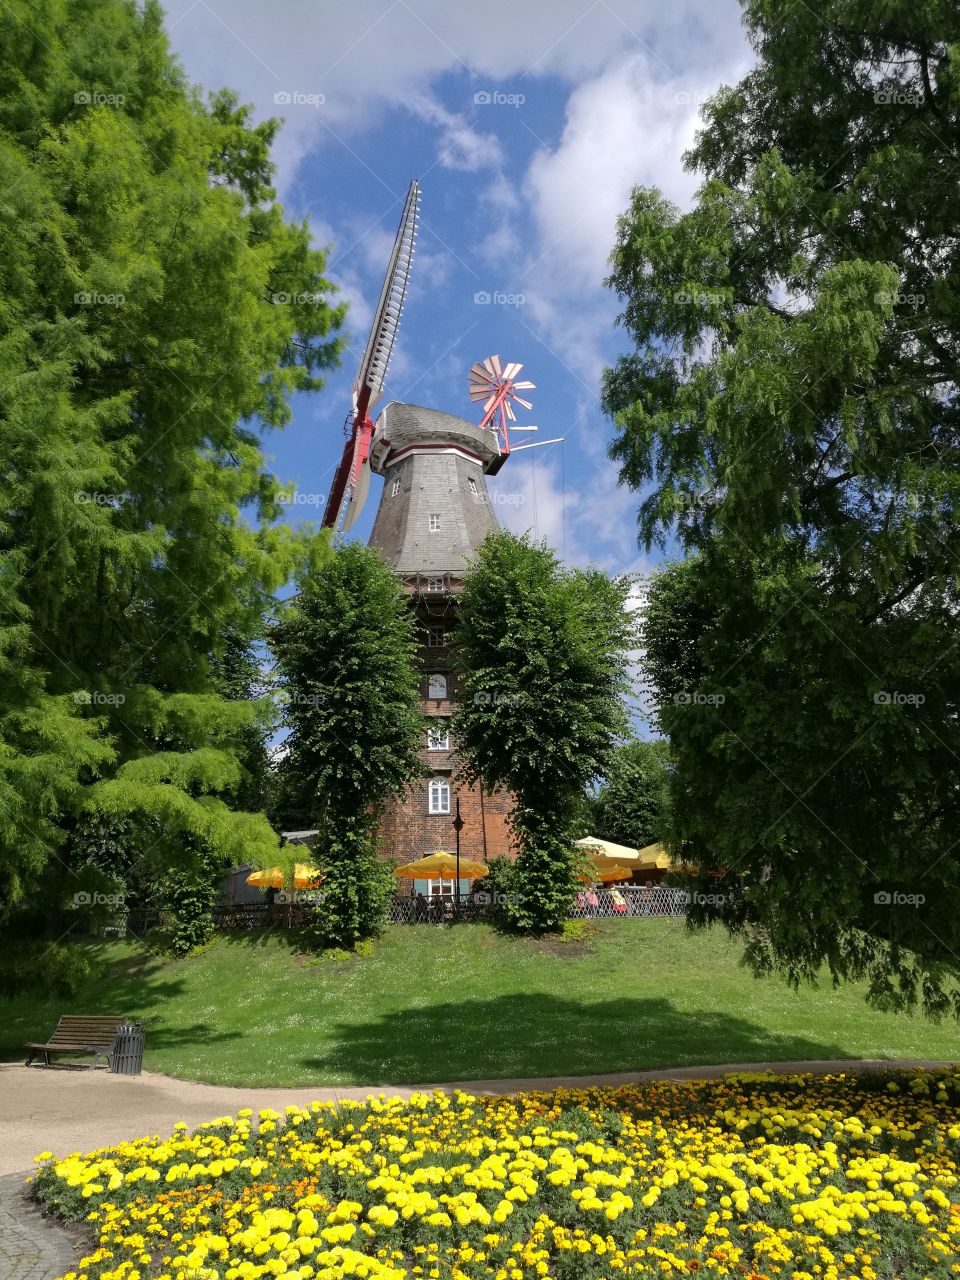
[{"x": 408, "y": 830}]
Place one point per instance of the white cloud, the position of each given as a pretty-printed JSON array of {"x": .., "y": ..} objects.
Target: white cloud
[
  {"x": 625, "y": 127},
  {"x": 370, "y": 54},
  {"x": 460, "y": 145}
]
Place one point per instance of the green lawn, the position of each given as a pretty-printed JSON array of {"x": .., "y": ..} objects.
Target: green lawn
[{"x": 435, "y": 1003}]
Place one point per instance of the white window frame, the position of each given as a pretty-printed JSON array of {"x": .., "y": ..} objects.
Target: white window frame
[
  {"x": 433, "y": 522},
  {"x": 434, "y": 584},
  {"x": 436, "y": 637},
  {"x": 438, "y": 737},
  {"x": 441, "y": 888},
  {"x": 438, "y": 796},
  {"x": 438, "y": 676},
  {"x": 473, "y": 485},
  {"x": 396, "y": 487}
]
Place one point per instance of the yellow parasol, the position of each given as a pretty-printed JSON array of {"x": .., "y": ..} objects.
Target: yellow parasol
[
  {"x": 608, "y": 873},
  {"x": 441, "y": 865},
  {"x": 304, "y": 877},
  {"x": 598, "y": 848},
  {"x": 653, "y": 857}
]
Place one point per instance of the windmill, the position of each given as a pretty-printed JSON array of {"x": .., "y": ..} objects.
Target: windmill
[{"x": 352, "y": 479}]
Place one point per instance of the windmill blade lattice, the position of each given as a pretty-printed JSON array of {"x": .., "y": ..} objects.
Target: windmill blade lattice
[{"x": 495, "y": 385}]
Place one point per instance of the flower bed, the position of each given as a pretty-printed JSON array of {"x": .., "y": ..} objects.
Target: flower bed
[{"x": 801, "y": 1177}]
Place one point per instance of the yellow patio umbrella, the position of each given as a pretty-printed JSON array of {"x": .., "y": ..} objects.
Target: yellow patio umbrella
[
  {"x": 304, "y": 877},
  {"x": 598, "y": 848},
  {"x": 653, "y": 857},
  {"x": 441, "y": 865},
  {"x": 608, "y": 874}
]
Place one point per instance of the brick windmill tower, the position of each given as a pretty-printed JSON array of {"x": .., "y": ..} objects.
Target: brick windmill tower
[{"x": 434, "y": 513}]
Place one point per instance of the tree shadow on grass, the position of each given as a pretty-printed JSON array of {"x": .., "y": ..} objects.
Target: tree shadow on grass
[
  {"x": 137, "y": 985},
  {"x": 546, "y": 1035}
]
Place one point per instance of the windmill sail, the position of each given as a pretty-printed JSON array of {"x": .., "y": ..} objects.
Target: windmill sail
[{"x": 351, "y": 480}]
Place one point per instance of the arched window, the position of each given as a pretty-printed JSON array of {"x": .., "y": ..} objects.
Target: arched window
[
  {"x": 437, "y": 685},
  {"x": 439, "y": 796}
]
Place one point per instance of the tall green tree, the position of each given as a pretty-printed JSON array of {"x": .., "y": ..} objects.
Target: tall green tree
[
  {"x": 157, "y": 311},
  {"x": 346, "y": 659},
  {"x": 791, "y": 413},
  {"x": 543, "y": 658},
  {"x": 631, "y": 805}
]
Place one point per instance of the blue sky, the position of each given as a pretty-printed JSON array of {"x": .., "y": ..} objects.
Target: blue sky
[{"x": 527, "y": 125}]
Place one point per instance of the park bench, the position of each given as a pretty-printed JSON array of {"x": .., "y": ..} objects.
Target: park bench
[{"x": 79, "y": 1035}]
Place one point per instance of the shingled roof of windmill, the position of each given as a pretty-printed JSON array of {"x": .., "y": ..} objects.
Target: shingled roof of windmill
[{"x": 441, "y": 512}]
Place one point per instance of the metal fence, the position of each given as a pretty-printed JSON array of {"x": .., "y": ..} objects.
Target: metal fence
[
  {"x": 589, "y": 904},
  {"x": 602, "y": 903},
  {"x": 629, "y": 900}
]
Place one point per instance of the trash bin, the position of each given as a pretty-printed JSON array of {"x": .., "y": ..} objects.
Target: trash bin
[{"x": 127, "y": 1056}]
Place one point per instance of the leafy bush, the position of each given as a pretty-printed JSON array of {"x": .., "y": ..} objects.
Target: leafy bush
[{"x": 51, "y": 968}]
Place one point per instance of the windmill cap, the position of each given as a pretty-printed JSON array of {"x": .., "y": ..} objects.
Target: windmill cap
[{"x": 402, "y": 427}]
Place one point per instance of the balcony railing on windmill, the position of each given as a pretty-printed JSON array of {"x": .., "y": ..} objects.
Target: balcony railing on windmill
[{"x": 433, "y": 585}]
